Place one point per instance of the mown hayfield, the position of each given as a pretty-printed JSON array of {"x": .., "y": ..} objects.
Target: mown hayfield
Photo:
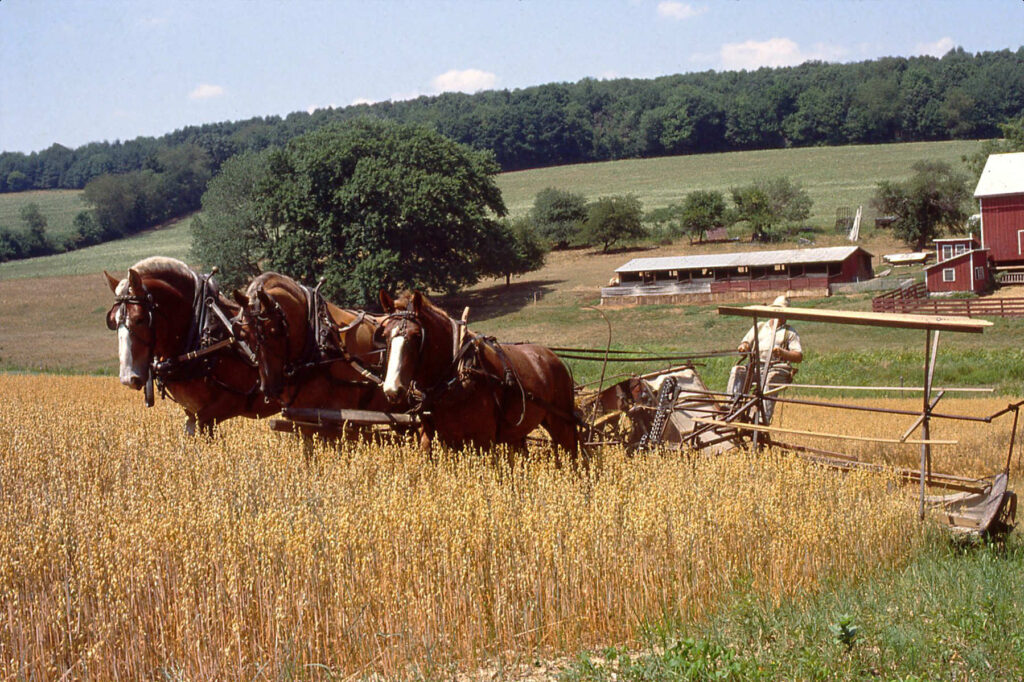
[
  {"x": 130, "y": 551},
  {"x": 59, "y": 206}
]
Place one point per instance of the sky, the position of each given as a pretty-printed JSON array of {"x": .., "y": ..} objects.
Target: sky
[{"x": 84, "y": 71}]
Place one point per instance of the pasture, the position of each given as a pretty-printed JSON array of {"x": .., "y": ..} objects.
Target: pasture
[
  {"x": 833, "y": 176},
  {"x": 131, "y": 551},
  {"x": 59, "y": 206}
]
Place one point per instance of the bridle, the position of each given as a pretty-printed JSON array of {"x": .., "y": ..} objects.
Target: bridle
[
  {"x": 404, "y": 320},
  {"x": 120, "y": 319}
]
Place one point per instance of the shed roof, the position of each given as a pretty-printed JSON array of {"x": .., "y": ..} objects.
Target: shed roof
[
  {"x": 830, "y": 254},
  {"x": 949, "y": 262},
  {"x": 1003, "y": 174}
]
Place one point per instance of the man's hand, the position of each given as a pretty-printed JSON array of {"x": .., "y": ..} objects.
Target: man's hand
[{"x": 743, "y": 347}]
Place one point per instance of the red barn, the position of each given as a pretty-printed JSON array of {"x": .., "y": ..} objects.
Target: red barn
[
  {"x": 965, "y": 269},
  {"x": 1000, "y": 192}
]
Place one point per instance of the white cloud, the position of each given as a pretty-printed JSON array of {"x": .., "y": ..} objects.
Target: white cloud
[
  {"x": 467, "y": 80},
  {"x": 774, "y": 52},
  {"x": 936, "y": 49},
  {"x": 361, "y": 100},
  {"x": 679, "y": 10},
  {"x": 153, "y": 21},
  {"x": 206, "y": 91}
]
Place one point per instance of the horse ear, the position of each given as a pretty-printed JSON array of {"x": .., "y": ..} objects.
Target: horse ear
[
  {"x": 386, "y": 302},
  {"x": 112, "y": 281},
  {"x": 134, "y": 281},
  {"x": 240, "y": 298},
  {"x": 417, "y": 302},
  {"x": 264, "y": 299}
]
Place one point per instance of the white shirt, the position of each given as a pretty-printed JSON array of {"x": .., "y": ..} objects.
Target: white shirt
[{"x": 784, "y": 337}]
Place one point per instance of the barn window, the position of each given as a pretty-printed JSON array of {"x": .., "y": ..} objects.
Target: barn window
[
  {"x": 979, "y": 273},
  {"x": 948, "y": 275},
  {"x": 961, "y": 248},
  {"x": 947, "y": 251},
  {"x": 779, "y": 267}
]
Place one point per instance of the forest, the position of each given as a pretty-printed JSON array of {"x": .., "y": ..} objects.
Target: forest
[{"x": 894, "y": 99}]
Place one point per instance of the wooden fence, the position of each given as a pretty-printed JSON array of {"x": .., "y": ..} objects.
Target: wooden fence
[{"x": 914, "y": 299}]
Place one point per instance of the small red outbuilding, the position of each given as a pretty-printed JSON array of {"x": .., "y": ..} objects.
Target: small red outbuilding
[{"x": 961, "y": 266}]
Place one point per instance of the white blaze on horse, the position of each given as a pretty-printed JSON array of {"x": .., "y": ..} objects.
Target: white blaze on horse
[{"x": 175, "y": 329}]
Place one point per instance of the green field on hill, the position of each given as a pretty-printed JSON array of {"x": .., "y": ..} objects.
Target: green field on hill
[
  {"x": 550, "y": 305},
  {"x": 833, "y": 176},
  {"x": 58, "y": 206}
]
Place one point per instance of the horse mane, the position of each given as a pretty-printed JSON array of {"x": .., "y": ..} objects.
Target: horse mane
[
  {"x": 404, "y": 301},
  {"x": 171, "y": 270},
  {"x": 272, "y": 279}
]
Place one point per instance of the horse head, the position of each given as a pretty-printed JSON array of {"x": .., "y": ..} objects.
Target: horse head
[
  {"x": 133, "y": 317},
  {"x": 405, "y": 332},
  {"x": 273, "y": 323},
  {"x": 152, "y": 313}
]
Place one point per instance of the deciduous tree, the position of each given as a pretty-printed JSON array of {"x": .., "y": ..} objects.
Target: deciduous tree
[
  {"x": 366, "y": 205},
  {"x": 558, "y": 215},
  {"x": 769, "y": 202},
  {"x": 614, "y": 219},
  {"x": 930, "y": 202}
]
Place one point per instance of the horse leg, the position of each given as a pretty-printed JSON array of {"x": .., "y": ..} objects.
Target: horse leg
[
  {"x": 206, "y": 428},
  {"x": 426, "y": 440},
  {"x": 190, "y": 424},
  {"x": 564, "y": 435}
]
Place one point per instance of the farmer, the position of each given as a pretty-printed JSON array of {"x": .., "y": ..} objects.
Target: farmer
[{"x": 779, "y": 346}]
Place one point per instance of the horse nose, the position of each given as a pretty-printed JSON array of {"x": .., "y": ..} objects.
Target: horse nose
[
  {"x": 135, "y": 381},
  {"x": 392, "y": 394}
]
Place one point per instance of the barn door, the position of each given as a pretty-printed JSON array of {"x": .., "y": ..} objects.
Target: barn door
[{"x": 1020, "y": 242}]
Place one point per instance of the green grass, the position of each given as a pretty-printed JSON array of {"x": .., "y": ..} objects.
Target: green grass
[
  {"x": 59, "y": 206},
  {"x": 171, "y": 240},
  {"x": 833, "y": 176},
  {"x": 953, "y": 612}
]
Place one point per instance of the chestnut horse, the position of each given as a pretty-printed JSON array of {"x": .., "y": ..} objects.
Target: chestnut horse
[
  {"x": 174, "y": 327},
  {"x": 311, "y": 353},
  {"x": 473, "y": 390}
]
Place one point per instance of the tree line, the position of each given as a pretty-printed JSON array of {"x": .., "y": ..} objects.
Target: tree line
[{"x": 894, "y": 99}]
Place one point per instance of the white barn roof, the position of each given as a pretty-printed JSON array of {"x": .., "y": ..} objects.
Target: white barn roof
[
  {"x": 1003, "y": 174},
  {"x": 830, "y": 254}
]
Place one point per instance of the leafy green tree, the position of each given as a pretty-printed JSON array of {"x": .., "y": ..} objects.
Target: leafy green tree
[
  {"x": 34, "y": 242},
  {"x": 514, "y": 249},
  {"x": 1012, "y": 141},
  {"x": 934, "y": 199},
  {"x": 768, "y": 203},
  {"x": 87, "y": 232},
  {"x": 614, "y": 219},
  {"x": 232, "y": 232},
  {"x": 17, "y": 181},
  {"x": 367, "y": 204},
  {"x": 702, "y": 210},
  {"x": 559, "y": 216}
]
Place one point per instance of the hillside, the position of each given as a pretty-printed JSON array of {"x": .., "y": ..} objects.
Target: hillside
[
  {"x": 52, "y": 307},
  {"x": 58, "y": 206}
]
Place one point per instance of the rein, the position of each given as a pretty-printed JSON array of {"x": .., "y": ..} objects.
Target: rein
[
  {"x": 459, "y": 369},
  {"x": 202, "y": 342},
  {"x": 324, "y": 340}
]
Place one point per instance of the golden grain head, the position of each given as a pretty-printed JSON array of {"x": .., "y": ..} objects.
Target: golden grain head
[{"x": 130, "y": 550}]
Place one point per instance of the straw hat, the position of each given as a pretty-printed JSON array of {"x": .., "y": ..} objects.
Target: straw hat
[{"x": 781, "y": 301}]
